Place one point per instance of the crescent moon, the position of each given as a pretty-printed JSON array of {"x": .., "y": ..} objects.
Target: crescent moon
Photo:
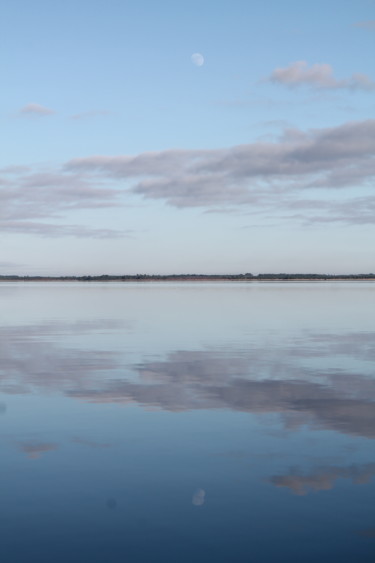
[{"x": 197, "y": 59}]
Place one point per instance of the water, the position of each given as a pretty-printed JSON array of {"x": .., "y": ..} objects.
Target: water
[{"x": 225, "y": 422}]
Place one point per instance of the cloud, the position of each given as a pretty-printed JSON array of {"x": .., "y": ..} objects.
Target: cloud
[
  {"x": 44, "y": 194},
  {"x": 14, "y": 170},
  {"x": 51, "y": 230},
  {"x": 33, "y": 196},
  {"x": 36, "y": 109},
  {"x": 355, "y": 211},
  {"x": 89, "y": 114},
  {"x": 264, "y": 177},
  {"x": 324, "y": 479},
  {"x": 319, "y": 75},
  {"x": 366, "y": 24},
  {"x": 246, "y": 174},
  {"x": 9, "y": 264}
]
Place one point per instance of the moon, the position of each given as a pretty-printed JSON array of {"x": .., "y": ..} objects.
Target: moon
[{"x": 197, "y": 59}]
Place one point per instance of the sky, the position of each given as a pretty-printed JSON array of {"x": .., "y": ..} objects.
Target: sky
[{"x": 187, "y": 137}]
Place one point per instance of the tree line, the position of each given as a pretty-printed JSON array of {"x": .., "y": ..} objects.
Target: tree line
[{"x": 191, "y": 277}]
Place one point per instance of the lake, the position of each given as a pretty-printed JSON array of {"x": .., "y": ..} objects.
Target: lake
[{"x": 180, "y": 422}]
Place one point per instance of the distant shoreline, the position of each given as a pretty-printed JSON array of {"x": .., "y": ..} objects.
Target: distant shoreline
[{"x": 192, "y": 278}]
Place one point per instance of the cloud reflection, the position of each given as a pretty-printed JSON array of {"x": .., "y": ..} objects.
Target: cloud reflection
[
  {"x": 367, "y": 533},
  {"x": 90, "y": 443},
  {"x": 34, "y": 450},
  {"x": 260, "y": 379},
  {"x": 323, "y": 479},
  {"x": 255, "y": 383},
  {"x": 35, "y": 357}
]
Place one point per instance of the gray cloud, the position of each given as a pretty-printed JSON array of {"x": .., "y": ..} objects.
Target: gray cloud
[
  {"x": 264, "y": 177},
  {"x": 30, "y": 197},
  {"x": 366, "y": 24},
  {"x": 261, "y": 175},
  {"x": 15, "y": 169},
  {"x": 354, "y": 211},
  {"x": 36, "y": 109},
  {"x": 53, "y": 230},
  {"x": 47, "y": 194},
  {"x": 323, "y": 479},
  {"x": 9, "y": 264},
  {"x": 319, "y": 75},
  {"x": 295, "y": 154},
  {"x": 89, "y": 114}
]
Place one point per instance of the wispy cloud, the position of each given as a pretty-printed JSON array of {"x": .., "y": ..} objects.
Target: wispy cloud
[
  {"x": 9, "y": 264},
  {"x": 296, "y": 153},
  {"x": 89, "y": 114},
  {"x": 355, "y": 211},
  {"x": 54, "y": 230},
  {"x": 36, "y": 109},
  {"x": 15, "y": 170},
  {"x": 319, "y": 75},
  {"x": 366, "y": 24}
]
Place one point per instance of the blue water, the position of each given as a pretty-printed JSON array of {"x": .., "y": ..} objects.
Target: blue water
[{"x": 223, "y": 422}]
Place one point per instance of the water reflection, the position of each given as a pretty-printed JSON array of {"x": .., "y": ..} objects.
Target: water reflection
[
  {"x": 368, "y": 533},
  {"x": 131, "y": 437},
  {"x": 90, "y": 443},
  {"x": 32, "y": 356},
  {"x": 324, "y": 479},
  {"x": 318, "y": 405},
  {"x": 199, "y": 497},
  {"x": 111, "y": 504},
  {"x": 34, "y": 450},
  {"x": 258, "y": 380}
]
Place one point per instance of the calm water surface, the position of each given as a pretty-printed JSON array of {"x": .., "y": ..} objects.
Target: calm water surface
[{"x": 187, "y": 422}]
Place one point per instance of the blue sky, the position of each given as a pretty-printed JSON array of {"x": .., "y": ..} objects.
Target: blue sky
[{"x": 120, "y": 155}]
